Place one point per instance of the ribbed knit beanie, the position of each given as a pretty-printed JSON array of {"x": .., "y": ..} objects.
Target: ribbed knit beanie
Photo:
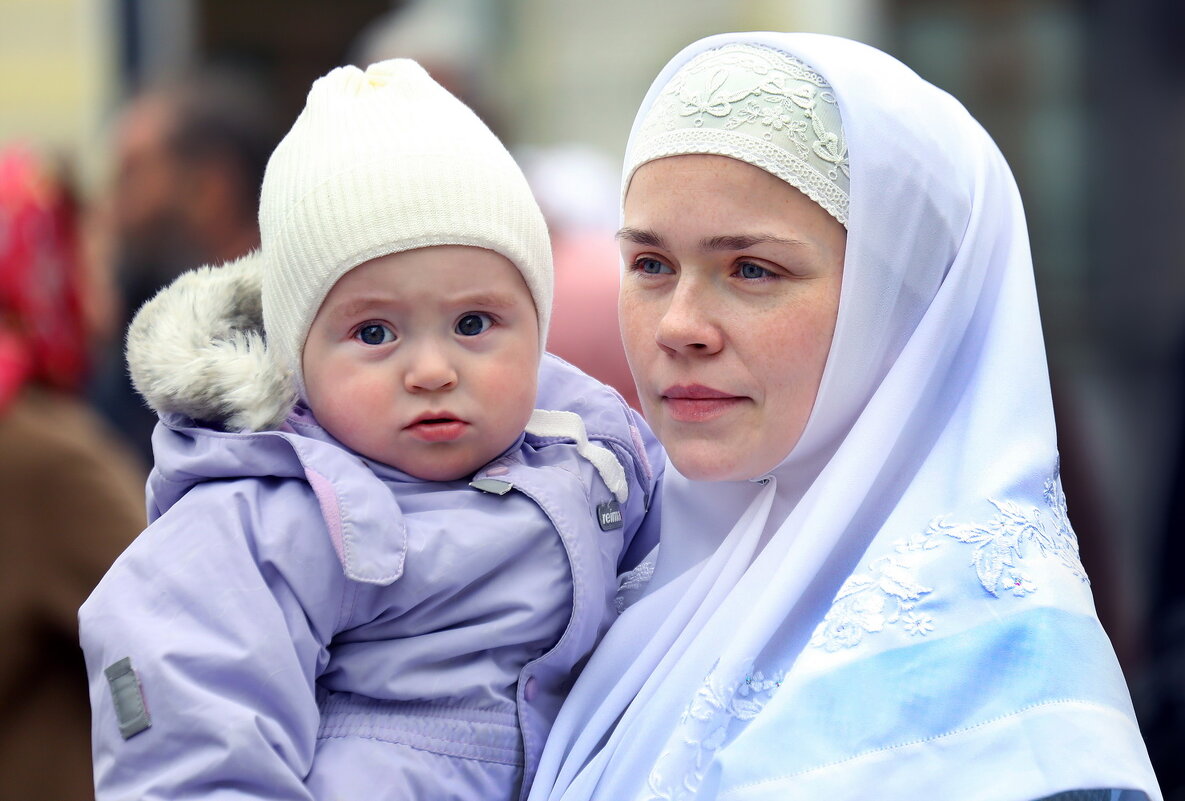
[{"x": 381, "y": 162}]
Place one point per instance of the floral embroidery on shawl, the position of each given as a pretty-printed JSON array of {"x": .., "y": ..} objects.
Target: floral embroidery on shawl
[
  {"x": 703, "y": 729},
  {"x": 631, "y": 583},
  {"x": 889, "y": 593}
]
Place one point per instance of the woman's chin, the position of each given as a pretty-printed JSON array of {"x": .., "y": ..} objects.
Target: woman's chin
[{"x": 708, "y": 464}]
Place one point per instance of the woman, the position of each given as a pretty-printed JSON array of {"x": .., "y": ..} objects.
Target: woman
[{"x": 867, "y": 585}]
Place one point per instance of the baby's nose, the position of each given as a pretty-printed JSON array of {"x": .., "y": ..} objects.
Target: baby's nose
[{"x": 430, "y": 371}]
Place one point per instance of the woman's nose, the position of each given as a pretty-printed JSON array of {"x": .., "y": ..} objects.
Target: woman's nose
[
  {"x": 430, "y": 370},
  {"x": 687, "y": 324}
]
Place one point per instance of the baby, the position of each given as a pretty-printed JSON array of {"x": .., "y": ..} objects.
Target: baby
[{"x": 372, "y": 567}]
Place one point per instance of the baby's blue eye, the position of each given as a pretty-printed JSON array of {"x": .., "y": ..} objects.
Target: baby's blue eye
[
  {"x": 474, "y": 323},
  {"x": 375, "y": 334},
  {"x": 750, "y": 270}
]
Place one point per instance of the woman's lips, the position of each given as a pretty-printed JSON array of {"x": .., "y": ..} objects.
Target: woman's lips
[
  {"x": 437, "y": 429},
  {"x": 697, "y": 404}
]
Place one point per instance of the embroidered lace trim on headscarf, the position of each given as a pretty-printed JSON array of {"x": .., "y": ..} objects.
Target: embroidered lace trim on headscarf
[{"x": 760, "y": 106}]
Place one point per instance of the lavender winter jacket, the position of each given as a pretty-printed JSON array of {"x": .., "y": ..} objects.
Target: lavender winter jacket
[{"x": 299, "y": 622}]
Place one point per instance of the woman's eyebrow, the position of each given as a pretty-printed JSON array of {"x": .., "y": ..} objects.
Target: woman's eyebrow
[
  {"x": 707, "y": 244},
  {"x": 641, "y": 237},
  {"x": 743, "y": 241}
]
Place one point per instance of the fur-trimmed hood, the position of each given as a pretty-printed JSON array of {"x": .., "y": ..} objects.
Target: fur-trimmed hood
[{"x": 197, "y": 349}]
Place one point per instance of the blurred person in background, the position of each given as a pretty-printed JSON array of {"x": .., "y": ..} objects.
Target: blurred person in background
[
  {"x": 189, "y": 158},
  {"x": 577, "y": 190},
  {"x": 1160, "y": 691},
  {"x": 443, "y": 36},
  {"x": 71, "y": 494}
]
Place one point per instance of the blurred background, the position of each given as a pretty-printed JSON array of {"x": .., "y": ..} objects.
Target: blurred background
[{"x": 158, "y": 115}]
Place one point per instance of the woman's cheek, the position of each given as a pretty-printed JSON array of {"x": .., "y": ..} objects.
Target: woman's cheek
[{"x": 635, "y": 320}]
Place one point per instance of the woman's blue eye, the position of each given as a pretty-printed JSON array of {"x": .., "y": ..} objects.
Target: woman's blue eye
[
  {"x": 651, "y": 266},
  {"x": 751, "y": 270},
  {"x": 474, "y": 323},
  {"x": 375, "y": 334}
]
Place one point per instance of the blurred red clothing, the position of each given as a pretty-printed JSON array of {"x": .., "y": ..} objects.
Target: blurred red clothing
[
  {"x": 72, "y": 495},
  {"x": 42, "y": 322}
]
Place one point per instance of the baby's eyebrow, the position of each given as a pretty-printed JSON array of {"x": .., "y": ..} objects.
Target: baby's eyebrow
[
  {"x": 484, "y": 300},
  {"x": 356, "y": 307},
  {"x": 365, "y": 306}
]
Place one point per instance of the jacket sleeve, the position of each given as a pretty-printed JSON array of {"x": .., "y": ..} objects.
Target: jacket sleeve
[{"x": 222, "y": 610}]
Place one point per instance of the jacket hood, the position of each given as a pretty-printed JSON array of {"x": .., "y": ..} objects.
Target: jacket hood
[{"x": 198, "y": 349}]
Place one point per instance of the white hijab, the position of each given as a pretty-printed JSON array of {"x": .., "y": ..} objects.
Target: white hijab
[{"x": 918, "y": 625}]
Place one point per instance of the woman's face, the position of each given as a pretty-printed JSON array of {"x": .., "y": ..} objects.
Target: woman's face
[{"x": 728, "y": 305}]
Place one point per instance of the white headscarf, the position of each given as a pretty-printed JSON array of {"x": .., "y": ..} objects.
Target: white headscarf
[{"x": 918, "y": 625}]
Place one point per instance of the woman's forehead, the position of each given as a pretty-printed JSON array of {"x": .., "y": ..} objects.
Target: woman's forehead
[{"x": 720, "y": 202}]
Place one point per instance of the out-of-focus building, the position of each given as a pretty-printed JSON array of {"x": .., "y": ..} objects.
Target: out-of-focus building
[{"x": 56, "y": 76}]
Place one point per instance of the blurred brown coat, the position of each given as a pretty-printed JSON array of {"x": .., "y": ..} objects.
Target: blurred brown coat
[{"x": 71, "y": 499}]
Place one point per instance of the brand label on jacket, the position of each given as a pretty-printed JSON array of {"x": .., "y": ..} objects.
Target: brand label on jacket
[{"x": 609, "y": 515}]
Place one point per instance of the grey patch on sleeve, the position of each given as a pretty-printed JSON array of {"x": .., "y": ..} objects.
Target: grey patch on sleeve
[{"x": 128, "y": 697}]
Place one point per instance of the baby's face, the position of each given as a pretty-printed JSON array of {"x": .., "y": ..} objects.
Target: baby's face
[{"x": 426, "y": 360}]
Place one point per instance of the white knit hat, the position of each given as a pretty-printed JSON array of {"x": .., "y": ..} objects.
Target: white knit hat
[{"x": 381, "y": 162}]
